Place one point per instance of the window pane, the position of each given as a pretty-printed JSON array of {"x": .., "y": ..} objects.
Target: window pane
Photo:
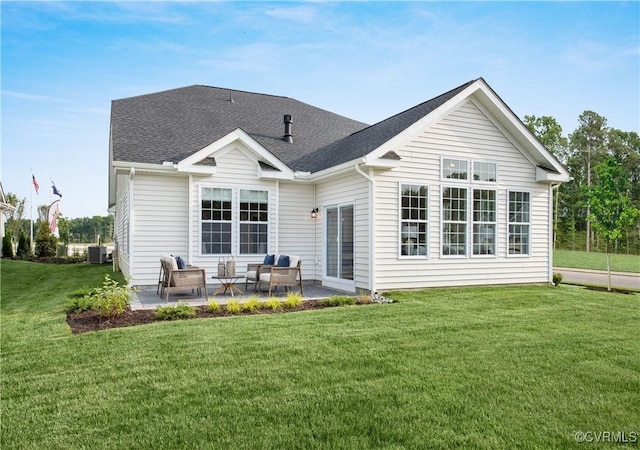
[
  {"x": 414, "y": 214},
  {"x": 254, "y": 217},
  {"x": 484, "y": 171},
  {"x": 454, "y": 239},
  {"x": 519, "y": 218},
  {"x": 454, "y": 169},
  {"x": 215, "y": 213},
  {"x": 484, "y": 239}
]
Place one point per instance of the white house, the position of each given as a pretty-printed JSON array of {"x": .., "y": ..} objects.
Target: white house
[{"x": 454, "y": 191}]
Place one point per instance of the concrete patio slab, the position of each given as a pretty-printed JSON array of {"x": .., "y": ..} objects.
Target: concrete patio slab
[{"x": 147, "y": 298}]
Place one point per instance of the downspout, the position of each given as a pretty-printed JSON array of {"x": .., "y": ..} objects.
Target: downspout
[
  {"x": 190, "y": 221},
  {"x": 552, "y": 187},
  {"x": 131, "y": 268},
  {"x": 372, "y": 234},
  {"x": 277, "y": 217}
]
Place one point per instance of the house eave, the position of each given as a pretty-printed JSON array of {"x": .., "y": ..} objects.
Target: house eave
[{"x": 545, "y": 175}]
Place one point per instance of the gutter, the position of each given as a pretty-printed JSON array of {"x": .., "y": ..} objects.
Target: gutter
[{"x": 372, "y": 233}]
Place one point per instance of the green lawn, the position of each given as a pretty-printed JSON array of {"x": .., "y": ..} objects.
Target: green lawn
[
  {"x": 596, "y": 261},
  {"x": 484, "y": 368}
]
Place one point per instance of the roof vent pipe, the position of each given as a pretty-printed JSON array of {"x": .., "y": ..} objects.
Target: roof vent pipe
[{"x": 288, "y": 132}]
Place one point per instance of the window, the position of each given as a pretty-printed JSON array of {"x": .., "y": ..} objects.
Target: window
[
  {"x": 484, "y": 222},
  {"x": 227, "y": 226},
  {"x": 454, "y": 221},
  {"x": 216, "y": 220},
  {"x": 484, "y": 171},
  {"x": 519, "y": 222},
  {"x": 254, "y": 221},
  {"x": 456, "y": 169},
  {"x": 414, "y": 219}
]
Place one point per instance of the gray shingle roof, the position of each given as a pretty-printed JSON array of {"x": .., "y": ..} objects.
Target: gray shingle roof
[
  {"x": 368, "y": 139},
  {"x": 171, "y": 125}
]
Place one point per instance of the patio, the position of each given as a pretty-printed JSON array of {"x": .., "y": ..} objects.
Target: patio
[{"x": 146, "y": 297}]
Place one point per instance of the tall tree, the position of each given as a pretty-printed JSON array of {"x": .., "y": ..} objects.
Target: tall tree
[
  {"x": 588, "y": 148},
  {"x": 611, "y": 207},
  {"x": 549, "y": 132}
]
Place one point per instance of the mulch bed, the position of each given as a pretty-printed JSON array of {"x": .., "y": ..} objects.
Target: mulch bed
[{"x": 91, "y": 321}]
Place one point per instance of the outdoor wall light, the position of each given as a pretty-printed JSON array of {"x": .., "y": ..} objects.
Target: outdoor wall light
[{"x": 314, "y": 213}]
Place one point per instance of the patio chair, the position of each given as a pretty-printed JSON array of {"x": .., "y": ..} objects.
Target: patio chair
[
  {"x": 287, "y": 276},
  {"x": 181, "y": 279}
]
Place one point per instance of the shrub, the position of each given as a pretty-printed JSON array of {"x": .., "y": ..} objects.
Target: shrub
[
  {"x": 364, "y": 298},
  {"x": 214, "y": 306},
  {"x": 557, "y": 278},
  {"x": 273, "y": 304},
  {"x": 24, "y": 246},
  {"x": 251, "y": 304},
  {"x": 7, "y": 244},
  {"x": 179, "y": 311},
  {"x": 112, "y": 299},
  {"x": 80, "y": 304},
  {"x": 46, "y": 242},
  {"x": 293, "y": 300},
  {"x": 339, "y": 300},
  {"x": 233, "y": 307}
]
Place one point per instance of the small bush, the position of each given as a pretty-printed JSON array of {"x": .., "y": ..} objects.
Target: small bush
[
  {"x": 273, "y": 304},
  {"x": 80, "y": 304},
  {"x": 214, "y": 306},
  {"x": 251, "y": 304},
  {"x": 339, "y": 300},
  {"x": 557, "y": 278},
  {"x": 233, "y": 307},
  {"x": 111, "y": 299},
  {"x": 364, "y": 298},
  {"x": 293, "y": 300},
  {"x": 179, "y": 311},
  {"x": 7, "y": 244}
]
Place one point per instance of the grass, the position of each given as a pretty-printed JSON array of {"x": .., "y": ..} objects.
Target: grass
[
  {"x": 483, "y": 368},
  {"x": 596, "y": 261}
]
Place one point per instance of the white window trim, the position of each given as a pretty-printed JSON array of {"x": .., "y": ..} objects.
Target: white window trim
[
  {"x": 514, "y": 255},
  {"x": 235, "y": 218},
  {"x": 427, "y": 221},
  {"x": 442, "y": 221},
  {"x": 495, "y": 223}
]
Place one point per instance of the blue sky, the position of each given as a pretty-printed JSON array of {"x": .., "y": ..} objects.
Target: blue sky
[{"x": 63, "y": 63}]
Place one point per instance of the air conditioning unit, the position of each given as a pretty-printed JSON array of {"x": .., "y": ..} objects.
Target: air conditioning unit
[{"x": 96, "y": 254}]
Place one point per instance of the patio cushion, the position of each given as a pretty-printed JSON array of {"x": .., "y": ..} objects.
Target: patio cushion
[
  {"x": 283, "y": 261},
  {"x": 180, "y": 263},
  {"x": 293, "y": 260},
  {"x": 269, "y": 260}
]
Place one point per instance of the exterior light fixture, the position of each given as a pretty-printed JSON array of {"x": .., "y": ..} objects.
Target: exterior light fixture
[{"x": 314, "y": 213}]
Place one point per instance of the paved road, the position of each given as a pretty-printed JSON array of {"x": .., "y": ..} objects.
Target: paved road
[{"x": 599, "y": 278}]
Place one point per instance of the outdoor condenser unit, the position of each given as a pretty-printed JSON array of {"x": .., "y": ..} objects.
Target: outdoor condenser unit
[{"x": 96, "y": 254}]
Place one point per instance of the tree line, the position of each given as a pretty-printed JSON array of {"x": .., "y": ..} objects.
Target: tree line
[{"x": 586, "y": 152}]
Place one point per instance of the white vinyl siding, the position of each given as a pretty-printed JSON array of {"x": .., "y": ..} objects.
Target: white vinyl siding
[
  {"x": 160, "y": 225},
  {"x": 466, "y": 134}
]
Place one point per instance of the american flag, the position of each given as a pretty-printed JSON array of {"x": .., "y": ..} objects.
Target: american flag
[{"x": 36, "y": 186}]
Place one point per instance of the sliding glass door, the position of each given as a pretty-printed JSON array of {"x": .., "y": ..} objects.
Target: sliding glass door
[{"x": 339, "y": 244}]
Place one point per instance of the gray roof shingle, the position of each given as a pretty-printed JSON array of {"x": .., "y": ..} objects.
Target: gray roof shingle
[{"x": 174, "y": 124}]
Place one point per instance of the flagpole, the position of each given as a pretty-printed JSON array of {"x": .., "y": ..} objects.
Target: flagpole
[{"x": 31, "y": 211}]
